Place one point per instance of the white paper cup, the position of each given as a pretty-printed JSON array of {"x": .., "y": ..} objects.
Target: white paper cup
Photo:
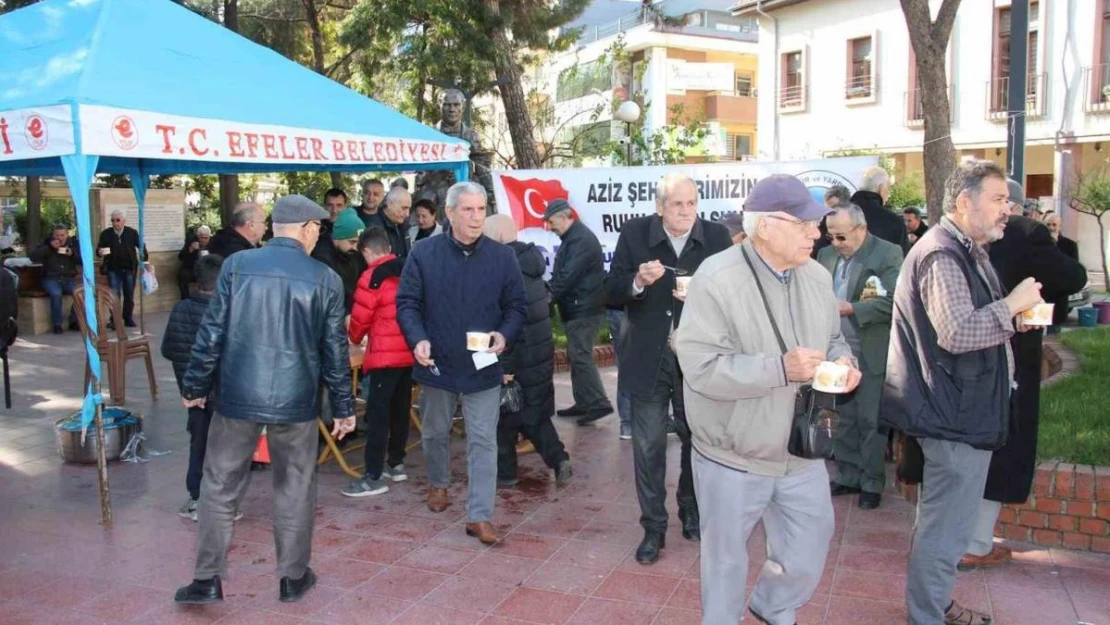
[
  {"x": 831, "y": 377},
  {"x": 682, "y": 284},
  {"x": 104, "y": 251},
  {"x": 478, "y": 341},
  {"x": 204, "y": 252},
  {"x": 1039, "y": 315}
]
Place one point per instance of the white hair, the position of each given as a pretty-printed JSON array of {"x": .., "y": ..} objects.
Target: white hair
[
  {"x": 855, "y": 214},
  {"x": 751, "y": 222},
  {"x": 668, "y": 183},
  {"x": 464, "y": 188},
  {"x": 873, "y": 179},
  {"x": 394, "y": 195},
  {"x": 204, "y": 230},
  {"x": 119, "y": 213}
]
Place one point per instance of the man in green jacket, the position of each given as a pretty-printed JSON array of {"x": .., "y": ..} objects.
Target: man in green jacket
[{"x": 864, "y": 269}]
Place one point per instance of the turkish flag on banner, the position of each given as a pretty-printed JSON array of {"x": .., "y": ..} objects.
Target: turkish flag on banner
[{"x": 529, "y": 198}]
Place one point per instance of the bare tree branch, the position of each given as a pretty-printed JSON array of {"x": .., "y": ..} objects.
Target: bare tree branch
[{"x": 946, "y": 17}]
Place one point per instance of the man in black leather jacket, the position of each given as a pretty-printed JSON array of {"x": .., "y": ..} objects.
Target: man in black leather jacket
[
  {"x": 577, "y": 281},
  {"x": 286, "y": 310}
]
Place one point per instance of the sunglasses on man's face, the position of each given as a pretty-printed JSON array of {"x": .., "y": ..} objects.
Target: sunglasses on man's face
[{"x": 839, "y": 238}]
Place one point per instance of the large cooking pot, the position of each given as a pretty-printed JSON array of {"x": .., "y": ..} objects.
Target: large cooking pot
[{"x": 119, "y": 426}]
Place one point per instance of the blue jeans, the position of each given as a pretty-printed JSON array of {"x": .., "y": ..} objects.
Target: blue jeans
[
  {"x": 122, "y": 282},
  {"x": 55, "y": 288},
  {"x": 615, "y": 318}
]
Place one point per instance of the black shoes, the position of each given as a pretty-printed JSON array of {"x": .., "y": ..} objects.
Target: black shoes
[
  {"x": 573, "y": 411},
  {"x": 759, "y": 618},
  {"x": 294, "y": 589},
  {"x": 691, "y": 524},
  {"x": 594, "y": 414},
  {"x": 200, "y": 592},
  {"x": 870, "y": 501},
  {"x": 840, "y": 489},
  {"x": 650, "y": 546}
]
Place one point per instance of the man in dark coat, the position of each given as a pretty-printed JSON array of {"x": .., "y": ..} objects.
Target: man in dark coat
[
  {"x": 1025, "y": 251},
  {"x": 530, "y": 362},
  {"x": 1070, "y": 249},
  {"x": 874, "y": 191},
  {"x": 340, "y": 254},
  {"x": 393, "y": 217},
  {"x": 915, "y": 227},
  {"x": 577, "y": 280},
  {"x": 118, "y": 249},
  {"x": 61, "y": 260},
  {"x": 642, "y": 281},
  {"x": 453, "y": 285},
  {"x": 248, "y": 224},
  {"x": 288, "y": 310},
  {"x": 195, "y": 247}
]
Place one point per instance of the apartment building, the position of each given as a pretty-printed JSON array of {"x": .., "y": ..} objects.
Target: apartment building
[
  {"x": 700, "y": 62},
  {"x": 840, "y": 75}
]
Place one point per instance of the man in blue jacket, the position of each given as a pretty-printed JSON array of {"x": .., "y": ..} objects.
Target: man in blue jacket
[
  {"x": 287, "y": 313},
  {"x": 453, "y": 285}
]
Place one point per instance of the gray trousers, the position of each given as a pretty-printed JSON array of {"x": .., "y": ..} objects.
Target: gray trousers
[
  {"x": 797, "y": 515},
  {"x": 589, "y": 392},
  {"x": 859, "y": 447},
  {"x": 480, "y": 413},
  {"x": 982, "y": 539},
  {"x": 947, "y": 509},
  {"x": 227, "y": 461}
]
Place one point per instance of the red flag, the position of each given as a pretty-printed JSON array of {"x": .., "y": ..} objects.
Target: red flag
[{"x": 529, "y": 198}]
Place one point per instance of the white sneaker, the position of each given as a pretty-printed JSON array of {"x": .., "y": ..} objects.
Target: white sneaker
[{"x": 189, "y": 510}]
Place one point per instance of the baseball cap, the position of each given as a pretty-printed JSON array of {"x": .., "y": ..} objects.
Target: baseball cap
[
  {"x": 783, "y": 193},
  {"x": 297, "y": 209}
]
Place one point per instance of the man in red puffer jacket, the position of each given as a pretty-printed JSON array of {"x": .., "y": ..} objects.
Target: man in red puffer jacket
[{"x": 386, "y": 368}]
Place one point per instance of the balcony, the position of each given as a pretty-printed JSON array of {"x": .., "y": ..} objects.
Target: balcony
[
  {"x": 860, "y": 89},
  {"x": 915, "y": 107},
  {"x": 998, "y": 97},
  {"x": 792, "y": 99},
  {"x": 731, "y": 108},
  {"x": 1097, "y": 81}
]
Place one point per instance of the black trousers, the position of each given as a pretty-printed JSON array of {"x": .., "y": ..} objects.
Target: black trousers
[
  {"x": 184, "y": 277},
  {"x": 649, "y": 446},
  {"x": 388, "y": 402},
  {"x": 197, "y": 427},
  {"x": 543, "y": 437}
]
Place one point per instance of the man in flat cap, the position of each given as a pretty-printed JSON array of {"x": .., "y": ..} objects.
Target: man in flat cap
[
  {"x": 288, "y": 312},
  {"x": 577, "y": 285},
  {"x": 759, "y": 318}
]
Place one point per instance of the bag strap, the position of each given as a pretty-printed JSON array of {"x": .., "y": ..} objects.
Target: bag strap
[{"x": 763, "y": 296}]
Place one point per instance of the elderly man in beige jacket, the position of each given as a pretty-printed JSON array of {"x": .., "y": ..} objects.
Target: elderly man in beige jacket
[{"x": 740, "y": 392}]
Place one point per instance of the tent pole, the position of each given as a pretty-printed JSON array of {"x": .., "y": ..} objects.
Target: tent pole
[
  {"x": 140, "y": 182},
  {"x": 102, "y": 469}
]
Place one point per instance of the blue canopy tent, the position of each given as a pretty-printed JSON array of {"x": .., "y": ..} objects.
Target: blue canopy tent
[{"x": 147, "y": 87}]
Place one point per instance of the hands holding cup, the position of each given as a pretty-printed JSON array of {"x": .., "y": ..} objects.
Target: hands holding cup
[{"x": 649, "y": 273}]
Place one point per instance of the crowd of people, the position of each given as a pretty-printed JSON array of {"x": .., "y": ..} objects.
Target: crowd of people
[{"x": 719, "y": 329}]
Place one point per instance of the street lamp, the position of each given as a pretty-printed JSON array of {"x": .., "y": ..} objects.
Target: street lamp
[{"x": 629, "y": 113}]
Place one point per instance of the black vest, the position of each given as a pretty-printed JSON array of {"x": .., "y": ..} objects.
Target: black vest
[{"x": 931, "y": 392}]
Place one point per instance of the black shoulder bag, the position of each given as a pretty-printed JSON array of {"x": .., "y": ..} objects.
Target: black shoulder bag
[{"x": 815, "y": 416}]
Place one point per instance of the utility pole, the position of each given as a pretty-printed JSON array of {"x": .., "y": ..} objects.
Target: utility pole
[{"x": 1017, "y": 91}]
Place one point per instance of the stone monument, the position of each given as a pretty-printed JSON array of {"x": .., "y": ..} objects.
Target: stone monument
[{"x": 435, "y": 183}]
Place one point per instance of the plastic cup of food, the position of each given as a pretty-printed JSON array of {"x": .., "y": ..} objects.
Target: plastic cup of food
[
  {"x": 682, "y": 285},
  {"x": 1039, "y": 315},
  {"x": 477, "y": 341},
  {"x": 104, "y": 251},
  {"x": 831, "y": 377}
]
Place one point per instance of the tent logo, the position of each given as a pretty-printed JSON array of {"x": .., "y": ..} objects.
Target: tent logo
[
  {"x": 35, "y": 131},
  {"x": 818, "y": 181},
  {"x": 124, "y": 133}
]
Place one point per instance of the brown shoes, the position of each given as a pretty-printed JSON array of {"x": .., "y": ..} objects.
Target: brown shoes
[
  {"x": 484, "y": 532},
  {"x": 959, "y": 615},
  {"x": 437, "y": 499},
  {"x": 999, "y": 555}
]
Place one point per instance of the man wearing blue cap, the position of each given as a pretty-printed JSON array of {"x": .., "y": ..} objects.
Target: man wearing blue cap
[
  {"x": 741, "y": 385},
  {"x": 287, "y": 313}
]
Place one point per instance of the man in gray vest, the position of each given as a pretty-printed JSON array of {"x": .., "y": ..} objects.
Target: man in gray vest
[
  {"x": 865, "y": 270},
  {"x": 950, "y": 375}
]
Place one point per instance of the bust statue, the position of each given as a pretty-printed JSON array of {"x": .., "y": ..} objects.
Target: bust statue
[{"x": 450, "y": 123}]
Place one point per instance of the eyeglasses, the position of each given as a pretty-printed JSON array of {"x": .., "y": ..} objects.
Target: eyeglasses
[
  {"x": 840, "y": 238},
  {"x": 803, "y": 224}
]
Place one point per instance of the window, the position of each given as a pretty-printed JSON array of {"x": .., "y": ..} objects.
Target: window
[
  {"x": 741, "y": 146},
  {"x": 744, "y": 83},
  {"x": 859, "y": 68},
  {"x": 1002, "y": 53},
  {"x": 793, "y": 74}
]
